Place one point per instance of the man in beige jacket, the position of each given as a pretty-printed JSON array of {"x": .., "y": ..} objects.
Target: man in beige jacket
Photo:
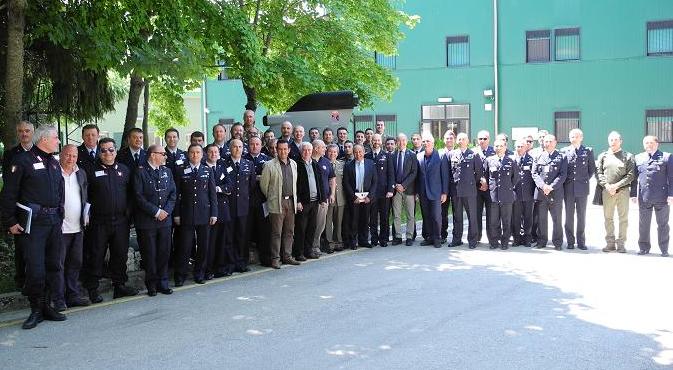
[{"x": 279, "y": 185}]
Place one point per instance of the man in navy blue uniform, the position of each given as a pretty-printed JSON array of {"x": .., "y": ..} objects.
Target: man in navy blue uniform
[
  {"x": 549, "y": 173},
  {"x": 195, "y": 211},
  {"x": 503, "y": 176},
  {"x": 155, "y": 197},
  {"x": 522, "y": 210},
  {"x": 445, "y": 155},
  {"x": 433, "y": 189},
  {"x": 483, "y": 150},
  {"x": 381, "y": 196},
  {"x": 359, "y": 180},
  {"x": 174, "y": 155},
  {"x": 467, "y": 174},
  {"x": 133, "y": 155},
  {"x": 257, "y": 221},
  {"x": 581, "y": 167},
  {"x": 219, "y": 136},
  {"x": 36, "y": 182},
  {"x": 88, "y": 151},
  {"x": 654, "y": 189},
  {"x": 244, "y": 180},
  {"x": 109, "y": 195}
]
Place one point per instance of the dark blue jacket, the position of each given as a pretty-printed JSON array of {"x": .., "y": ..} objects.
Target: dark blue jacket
[
  {"x": 197, "y": 197},
  {"x": 349, "y": 177},
  {"x": 433, "y": 176},
  {"x": 502, "y": 177},
  {"x": 467, "y": 171},
  {"x": 154, "y": 190},
  {"x": 126, "y": 158},
  {"x": 581, "y": 167},
  {"x": 654, "y": 177},
  {"x": 84, "y": 160},
  {"x": 110, "y": 193},
  {"x": 525, "y": 188},
  {"x": 385, "y": 174},
  {"x": 550, "y": 169},
  {"x": 407, "y": 177},
  {"x": 174, "y": 160},
  {"x": 223, "y": 185},
  {"x": 243, "y": 182}
]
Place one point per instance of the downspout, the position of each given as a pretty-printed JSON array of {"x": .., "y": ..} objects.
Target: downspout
[
  {"x": 496, "y": 95},
  {"x": 204, "y": 108}
]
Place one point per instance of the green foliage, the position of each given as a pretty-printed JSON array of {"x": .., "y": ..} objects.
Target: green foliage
[{"x": 168, "y": 109}]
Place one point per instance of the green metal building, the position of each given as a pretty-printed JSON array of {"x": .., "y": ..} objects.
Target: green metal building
[{"x": 599, "y": 65}]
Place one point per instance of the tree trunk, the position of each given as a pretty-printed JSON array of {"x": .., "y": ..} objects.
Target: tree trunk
[
  {"x": 135, "y": 88},
  {"x": 16, "y": 21},
  {"x": 146, "y": 111},
  {"x": 251, "y": 95}
]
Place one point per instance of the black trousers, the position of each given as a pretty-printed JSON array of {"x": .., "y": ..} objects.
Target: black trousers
[
  {"x": 19, "y": 264},
  {"x": 575, "y": 206},
  {"x": 304, "y": 229},
  {"x": 66, "y": 284},
  {"x": 534, "y": 230},
  {"x": 445, "y": 218},
  {"x": 661, "y": 214},
  {"x": 522, "y": 221},
  {"x": 500, "y": 226},
  {"x": 469, "y": 204},
  {"x": 222, "y": 256},
  {"x": 483, "y": 202},
  {"x": 42, "y": 255},
  {"x": 378, "y": 215},
  {"x": 112, "y": 237},
  {"x": 241, "y": 240},
  {"x": 155, "y": 249},
  {"x": 358, "y": 217},
  {"x": 259, "y": 229},
  {"x": 553, "y": 207},
  {"x": 432, "y": 218},
  {"x": 189, "y": 233}
]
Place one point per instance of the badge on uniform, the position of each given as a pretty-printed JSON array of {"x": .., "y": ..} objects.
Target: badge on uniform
[
  {"x": 229, "y": 169},
  {"x": 179, "y": 162},
  {"x": 494, "y": 169},
  {"x": 221, "y": 176},
  {"x": 546, "y": 168},
  {"x": 100, "y": 173},
  {"x": 38, "y": 165},
  {"x": 119, "y": 173},
  {"x": 526, "y": 168},
  {"x": 188, "y": 170}
]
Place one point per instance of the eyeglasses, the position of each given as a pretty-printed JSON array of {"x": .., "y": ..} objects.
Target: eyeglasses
[
  {"x": 160, "y": 153},
  {"x": 529, "y": 141},
  {"x": 109, "y": 150},
  {"x": 483, "y": 138}
]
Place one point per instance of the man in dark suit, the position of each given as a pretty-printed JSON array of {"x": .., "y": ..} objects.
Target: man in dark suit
[
  {"x": 133, "y": 155},
  {"x": 549, "y": 174},
  {"x": 295, "y": 144},
  {"x": 380, "y": 206},
  {"x": 653, "y": 186},
  {"x": 359, "y": 180},
  {"x": 467, "y": 175},
  {"x": 433, "y": 189},
  {"x": 257, "y": 221},
  {"x": 581, "y": 167},
  {"x": 88, "y": 151},
  {"x": 522, "y": 210},
  {"x": 503, "y": 176},
  {"x": 483, "y": 150},
  {"x": 174, "y": 155},
  {"x": 405, "y": 171},
  {"x": 309, "y": 195},
  {"x": 219, "y": 136},
  {"x": 445, "y": 155}
]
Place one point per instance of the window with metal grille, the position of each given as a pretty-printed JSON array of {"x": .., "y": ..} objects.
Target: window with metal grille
[
  {"x": 660, "y": 38},
  {"x": 567, "y": 44},
  {"x": 563, "y": 123},
  {"x": 537, "y": 46},
  {"x": 439, "y": 118},
  {"x": 391, "y": 124},
  {"x": 457, "y": 51},
  {"x": 659, "y": 123},
  {"x": 362, "y": 122},
  {"x": 388, "y": 61}
]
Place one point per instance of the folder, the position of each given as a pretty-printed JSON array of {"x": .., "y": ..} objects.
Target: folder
[{"x": 24, "y": 216}]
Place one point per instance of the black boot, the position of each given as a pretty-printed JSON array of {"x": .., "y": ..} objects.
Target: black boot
[
  {"x": 121, "y": 290},
  {"x": 35, "y": 314},
  {"x": 49, "y": 313}
]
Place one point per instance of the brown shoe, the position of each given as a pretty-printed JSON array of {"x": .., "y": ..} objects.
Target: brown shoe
[
  {"x": 609, "y": 249},
  {"x": 275, "y": 265},
  {"x": 621, "y": 250},
  {"x": 291, "y": 261}
]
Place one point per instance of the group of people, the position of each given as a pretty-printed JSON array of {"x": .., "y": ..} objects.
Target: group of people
[{"x": 293, "y": 199}]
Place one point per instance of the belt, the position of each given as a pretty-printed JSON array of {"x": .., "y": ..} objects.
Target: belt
[
  {"x": 288, "y": 197},
  {"x": 48, "y": 211}
]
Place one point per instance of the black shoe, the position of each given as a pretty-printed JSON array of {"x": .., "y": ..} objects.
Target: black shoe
[
  {"x": 243, "y": 269},
  {"x": 493, "y": 246},
  {"x": 527, "y": 245},
  {"x": 582, "y": 247},
  {"x": 384, "y": 244},
  {"x": 354, "y": 247},
  {"x": 504, "y": 247},
  {"x": 437, "y": 244},
  {"x": 199, "y": 280},
  {"x": 166, "y": 291},
  {"x": 455, "y": 243},
  {"x": 558, "y": 247},
  {"x": 642, "y": 252},
  {"x": 540, "y": 246},
  {"x": 443, "y": 240},
  {"x": 409, "y": 242},
  {"x": 367, "y": 245},
  {"x": 179, "y": 282},
  {"x": 60, "y": 306},
  {"x": 664, "y": 254},
  {"x": 300, "y": 258},
  {"x": 94, "y": 296},
  {"x": 427, "y": 242},
  {"x": 570, "y": 246},
  {"x": 374, "y": 243},
  {"x": 472, "y": 246},
  {"x": 397, "y": 241},
  {"x": 209, "y": 276},
  {"x": 77, "y": 302},
  {"x": 123, "y": 291},
  {"x": 223, "y": 274},
  {"x": 32, "y": 320},
  {"x": 312, "y": 256},
  {"x": 151, "y": 292},
  {"x": 48, "y": 313}
]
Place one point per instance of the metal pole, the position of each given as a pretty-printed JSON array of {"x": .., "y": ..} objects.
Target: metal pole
[{"x": 496, "y": 95}]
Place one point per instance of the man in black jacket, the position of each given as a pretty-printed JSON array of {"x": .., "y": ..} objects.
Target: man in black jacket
[{"x": 309, "y": 193}]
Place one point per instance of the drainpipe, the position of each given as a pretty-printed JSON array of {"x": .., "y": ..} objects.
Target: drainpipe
[
  {"x": 496, "y": 91},
  {"x": 204, "y": 108}
]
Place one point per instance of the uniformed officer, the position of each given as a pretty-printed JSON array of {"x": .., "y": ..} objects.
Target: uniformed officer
[
  {"x": 236, "y": 134},
  {"x": 549, "y": 174},
  {"x": 483, "y": 150},
  {"x": 581, "y": 167},
  {"x": 535, "y": 152},
  {"x": 109, "y": 192},
  {"x": 522, "y": 210},
  {"x": 155, "y": 197},
  {"x": 36, "y": 183},
  {"x": 445, "y": 155},
  {"x": 503, "y": 176},
  {"x": 654, "y": 180},
  {"x": 382, "y": 195},
  {"x": 467, "y": 170},
  {"x": 219, "y": 136},
  {"x": 243, "y": 182},
  {"x": 195, "y": 211},
  {"x": 257, "y": 221},
  {"x": 174, "y": 155}
]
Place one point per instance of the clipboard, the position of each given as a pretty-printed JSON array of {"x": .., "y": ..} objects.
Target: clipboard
[
  {"x": 24, "y": 216},
  {"x": 362, "y": 195}
]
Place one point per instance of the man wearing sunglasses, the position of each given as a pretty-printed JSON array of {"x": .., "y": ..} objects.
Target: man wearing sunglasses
[{"x": 483, "y": 150}]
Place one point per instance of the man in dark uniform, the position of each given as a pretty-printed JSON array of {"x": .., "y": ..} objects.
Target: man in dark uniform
[
  {"x": 549, "y": 173},
  {"x": 445, "y": 155},
  {"x": 155, "y": 197},
  {"x": 467, "y": 171},
  {"x": 581, "y": 167},
  {"x": 257, "y": 221},
  {"x": 195, "y": 211},
  {"x": 36, "y": 182},
  {"x": 243, "y": 184},
  {"x": 221, "y": 254},
  {"x": 342, "y": 137},
  {"x": 219, "y": 136},
  {"x": 88, "y": 151},
  {"x": 109, "y": 192},
  {"x": 133, "y": 155},
  {"x": 295, "y": 143},
  {"x": 174, "y": 155},
  {"x": 503, "y": 176},
  {"x": 237, "y": 133},
  {"x": 382, "y": 195},
  {"x": 654, "y": 180},
  {"x": 522, "y": 210},
  {"x": 359, "y": 180},
  {"x": 483, "y": 150},
  {"x": 24, "y": 133}
]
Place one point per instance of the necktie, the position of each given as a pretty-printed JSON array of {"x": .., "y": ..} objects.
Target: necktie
[
  {"x": 399, "y": 167},
  {"x": 92, "y": 154},
  {"x": 237, "y": 166},
  {"x": 136, "y": 158}
]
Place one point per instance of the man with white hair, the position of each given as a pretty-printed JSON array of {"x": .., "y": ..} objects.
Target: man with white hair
[
  {"x": 327, "y": 183},
  {"x": 433, "y": 189},
  {"x": 549, "y": 174},
  {"x": 581, "y": 167},
  {"x": 309, "y": 195},
  {"x": 405, "y": 170}
]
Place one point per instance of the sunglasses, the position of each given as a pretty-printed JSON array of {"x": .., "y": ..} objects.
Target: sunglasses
[
  {"x": 160, "y": 153},
  {"x": 529, "y": 141},
  {"x": 109, "y": 150},
  {"x": 483, "y": 138}
]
